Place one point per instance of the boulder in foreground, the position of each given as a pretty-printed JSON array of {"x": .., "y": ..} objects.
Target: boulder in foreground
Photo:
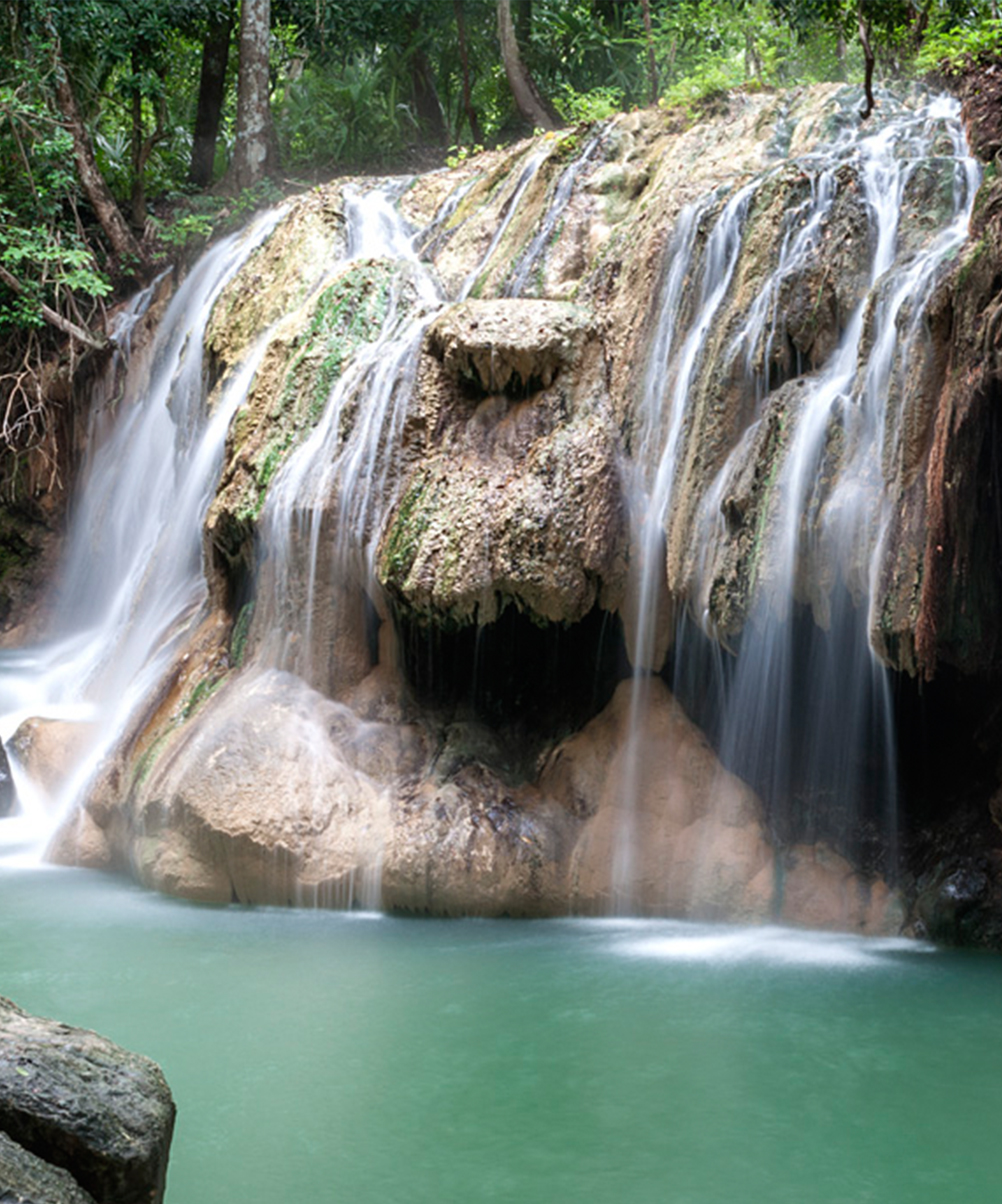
[
  {"x": 79, "y": 1102},
  {"x": 26, "y": 1179}
]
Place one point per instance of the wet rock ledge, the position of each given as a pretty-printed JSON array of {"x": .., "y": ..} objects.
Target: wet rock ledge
[{"x": 82, "y": 1121}]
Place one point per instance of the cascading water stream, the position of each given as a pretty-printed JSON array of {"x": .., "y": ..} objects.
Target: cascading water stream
[
  {"x": 561, "y": 199},
  {"x": 528, "y": 174},
  {"x": 805, "y": 714},
  {"x": 674, "y": 359},
  {"x": 344, "y": 466},
  {"x": 326, "y": 507},
  {"x": 132, "y": 577},
  {"x": 821, "y": 730}
]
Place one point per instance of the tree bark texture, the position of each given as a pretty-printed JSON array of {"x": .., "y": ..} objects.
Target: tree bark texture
[
  {"x": 868, "y": 60},
  {"x": 98, "y": 193},
  {"x": 652, "y": 65},
  {"x": 527, "y": 96},
  {"x": 211, "y": 94},
  {"x": 464, "y": 58},
  {"x": 254, "y": 154}
]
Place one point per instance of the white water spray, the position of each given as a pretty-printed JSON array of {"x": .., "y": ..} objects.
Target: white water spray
[{"x": 132, "y": 580}]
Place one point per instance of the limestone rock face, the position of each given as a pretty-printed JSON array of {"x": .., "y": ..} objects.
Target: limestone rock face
[
  {"x": 306, "y": 355},
  {"x": 271, "y": 796},
  {"x": 820, "y": 889},
  {"x": 274, "y": 794},
  {"x": 508, "y": 346},
  {"x": 280, "y": 275},
  {"x": 516, "y": 495},
  {"x": 684, "y": 834},
  {"x": 939, "y": 588},
  {"x": 82, "y": 1103},
  {"x": 472, "y": 845}
]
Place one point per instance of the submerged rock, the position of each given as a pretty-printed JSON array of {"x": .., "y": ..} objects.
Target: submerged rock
[{"x": 77, "y": 1100}]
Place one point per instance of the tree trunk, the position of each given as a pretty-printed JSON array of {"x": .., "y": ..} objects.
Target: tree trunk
[
  {"x": 138, "y": 201},
  {"x": 98, "y": 193},
  {"x": 919, "y": 18},
  {"x": 530, "y": 102},
  {"x": 211, "y": 94},
  {"x": 868, "y": 59},
  {"x": 426, "y": 103},
  {"x": 254, "y": 154},
  {"x": 523, "y": 20},
  {"x": 753, "y": 62},
  {"x": 652, "y": 65},
  {"x": 143, "y": 143},
  {"x": 471, "y": 114}
]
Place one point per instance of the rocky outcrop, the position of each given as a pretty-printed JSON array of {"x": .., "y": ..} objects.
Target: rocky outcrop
[
  {"x": 941, "y": 585},
  {"x": 517, "y": 495},
  {"x": 48, "y": 750},
  {"x": 305, "y": 358},
  {"x": 409, "y": 474},
  {"x": 275, "y": 794},
  {"x": 513, "y": 347},
  {"x": 81, "y": 1103},
  {"x": 272, "y": 795}
]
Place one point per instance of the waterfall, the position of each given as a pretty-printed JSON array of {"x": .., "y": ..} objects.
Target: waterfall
[
  {"x": 675, "y": 358},
  {"x": 534, "y": 162},
  {"x": 363, "y": 466},
  {"x": 132, "y": 578},
  {"x": 320, "y": 521},
  {"x": 802, "y": 708}
]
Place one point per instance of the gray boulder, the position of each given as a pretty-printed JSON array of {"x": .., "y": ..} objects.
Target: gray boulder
[
  {"x": 80, "y": 1102},
  {"x": 25, "y": 1179}
]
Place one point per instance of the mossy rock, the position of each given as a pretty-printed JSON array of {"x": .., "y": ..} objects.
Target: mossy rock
[
  {"x": 279, "y": 276},
  {"x": 291, "y": 391}
]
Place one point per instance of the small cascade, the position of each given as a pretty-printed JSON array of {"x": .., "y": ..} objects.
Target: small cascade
[
  {"x": 527, "y": 263},
  {"x": 132, "y": 578},
  {"x": 320, "y": 522},
  {"x": 675, "y": 358},
  {"x": 534, "y": 162},
  {"x": 314, "y": 613}
]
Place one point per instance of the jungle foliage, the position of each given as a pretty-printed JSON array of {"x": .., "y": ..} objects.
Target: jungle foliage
[{"x": 148, "y": 89}]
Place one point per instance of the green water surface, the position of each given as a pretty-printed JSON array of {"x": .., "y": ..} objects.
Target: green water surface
[{"x": 318, "y": 1056}]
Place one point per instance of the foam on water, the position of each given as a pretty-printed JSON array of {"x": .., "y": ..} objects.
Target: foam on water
[{"x": 769, "y": 945}]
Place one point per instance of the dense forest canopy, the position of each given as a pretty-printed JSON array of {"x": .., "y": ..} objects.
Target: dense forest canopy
[{"x": 130, "y": 130}]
